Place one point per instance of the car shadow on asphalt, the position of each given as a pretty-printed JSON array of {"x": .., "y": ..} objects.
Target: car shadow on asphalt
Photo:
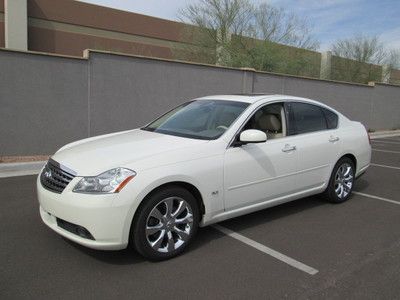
[
  {"x": 361, "y": 184},
  {"x": 277, "y": 212},
  {"x": 208, "y": 234},
  {"x": 115, "y": 257}
]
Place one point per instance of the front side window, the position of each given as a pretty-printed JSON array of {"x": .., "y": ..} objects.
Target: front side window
[
  {"x": 269, "y": 119},
  {"x": 306, "y": 118},
  {"x": 202, "y": 119}
]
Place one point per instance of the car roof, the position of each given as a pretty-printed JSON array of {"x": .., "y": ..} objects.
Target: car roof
[{"x": 253, "y": 98}]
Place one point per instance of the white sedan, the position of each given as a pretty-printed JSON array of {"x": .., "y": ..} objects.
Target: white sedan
[{"x": 208, "y": 160}]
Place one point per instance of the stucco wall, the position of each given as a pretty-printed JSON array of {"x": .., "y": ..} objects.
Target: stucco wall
[{"x": 43, "y": 102}]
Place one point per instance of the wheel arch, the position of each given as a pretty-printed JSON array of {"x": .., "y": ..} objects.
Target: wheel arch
[
  {"x": 352, "y": 158},
  {"x": 331, "y": 194},
  {"x": 349, "y": 155},
  {"x": 181, "y": 183}
]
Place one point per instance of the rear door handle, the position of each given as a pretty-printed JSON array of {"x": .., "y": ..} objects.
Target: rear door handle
[
  {"x": 288, "y": 148},
  {"x": 333, "y": 139}
]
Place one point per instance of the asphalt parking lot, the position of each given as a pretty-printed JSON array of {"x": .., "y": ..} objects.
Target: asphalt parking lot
[{"x": 353, "y": 247}]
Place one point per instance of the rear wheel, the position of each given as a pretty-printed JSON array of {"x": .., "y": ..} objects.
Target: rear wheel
[
  {"x": 165, "y": 224},
  {"x": 341, "y": 182}
]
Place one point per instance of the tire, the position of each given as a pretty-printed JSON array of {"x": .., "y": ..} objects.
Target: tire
[
  {"x": 341, "y": 181},
  {"x": 165, "y": 224}
]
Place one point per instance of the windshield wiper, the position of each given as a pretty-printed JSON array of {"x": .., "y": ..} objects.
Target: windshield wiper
[{"x": 147, "y": 128}]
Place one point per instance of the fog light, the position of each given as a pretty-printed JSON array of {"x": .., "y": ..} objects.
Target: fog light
[
  {"x": 75, "y": 229},
  {"x": 82, "y": 232}
]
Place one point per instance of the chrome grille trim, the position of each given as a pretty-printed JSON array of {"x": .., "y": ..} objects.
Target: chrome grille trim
[{"x": 55, "y": 177}]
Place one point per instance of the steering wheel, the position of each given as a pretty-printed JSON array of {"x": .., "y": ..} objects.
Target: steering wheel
[{"x": 222, "y": 127}]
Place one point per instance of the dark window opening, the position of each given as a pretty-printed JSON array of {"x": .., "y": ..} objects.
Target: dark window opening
[{"x": 306, "y": 118}]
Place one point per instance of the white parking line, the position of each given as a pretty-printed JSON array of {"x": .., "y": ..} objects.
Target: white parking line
[
  {"x": 388, "y": 151},
  {"x": 282, "y": 257},
  {"x": 384, "y": 136},
  {"x": 385, "y": 166},
  {"x": 387, "y": 139},
  {"x": 377, "y": 198},
  {"x": 385, "y": 142}
]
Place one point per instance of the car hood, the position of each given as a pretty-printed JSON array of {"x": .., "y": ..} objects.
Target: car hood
[{"x": 92, "y": 156}]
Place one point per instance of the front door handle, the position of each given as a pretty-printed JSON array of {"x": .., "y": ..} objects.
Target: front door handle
[
  {"x": 333, "y": 139},
  {"x": 288, "y": 148}
]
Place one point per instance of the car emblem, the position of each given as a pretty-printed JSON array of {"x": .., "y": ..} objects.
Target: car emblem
[{"x": 47, "y": 174}]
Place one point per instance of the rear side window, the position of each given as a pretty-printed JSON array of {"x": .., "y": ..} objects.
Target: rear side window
[
  {"x": 331, "y": 118},
  {"x": 306, "y": 118}
]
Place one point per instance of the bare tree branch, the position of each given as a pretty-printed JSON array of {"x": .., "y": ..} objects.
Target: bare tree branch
[
  {"x": 238, "y": 29},
  {"x": 360, "y": 58}
]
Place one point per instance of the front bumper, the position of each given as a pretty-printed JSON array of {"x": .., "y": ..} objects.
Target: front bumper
[{"x": 98, "y": 214}]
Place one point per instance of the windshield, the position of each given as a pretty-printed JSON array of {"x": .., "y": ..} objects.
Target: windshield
[{"x": 202, "y": 119}]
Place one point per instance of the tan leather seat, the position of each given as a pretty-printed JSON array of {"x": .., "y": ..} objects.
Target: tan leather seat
[{"x": 271, "y": 125}]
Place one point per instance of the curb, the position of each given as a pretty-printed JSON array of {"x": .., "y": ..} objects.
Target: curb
[{"x": 20, "y": 169}]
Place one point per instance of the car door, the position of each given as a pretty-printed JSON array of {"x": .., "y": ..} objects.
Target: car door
[
  {"x": 317, "y": 141},
  {"x": 255, "y": 173}
]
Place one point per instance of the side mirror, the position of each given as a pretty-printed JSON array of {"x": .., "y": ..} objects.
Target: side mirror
[{"x": 252, "y": 136}]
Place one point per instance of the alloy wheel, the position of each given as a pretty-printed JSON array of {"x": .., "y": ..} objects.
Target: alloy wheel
[
  {"x": 344, "y": 180},
  {"x": 169, "y": 224}
]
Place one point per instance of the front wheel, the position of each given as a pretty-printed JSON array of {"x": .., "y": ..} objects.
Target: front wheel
[
  {"x": 341, "y": 182},
  {"x": 165, "y": 224}
]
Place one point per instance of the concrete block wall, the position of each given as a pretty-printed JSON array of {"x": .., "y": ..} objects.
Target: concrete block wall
[{"x": 47, "y": 101}]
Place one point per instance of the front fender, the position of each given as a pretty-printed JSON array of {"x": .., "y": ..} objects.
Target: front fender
[{"x": 197, "y": 173}]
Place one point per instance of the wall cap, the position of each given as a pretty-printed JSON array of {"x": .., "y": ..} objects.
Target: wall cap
[
  {"x": 387, "y": 84},
  {"x": 222, "y": 67},
  {"x": 41, "y": 53},
  {"x": 248, "y": 69},
  {"x": 86, "y": 56}
]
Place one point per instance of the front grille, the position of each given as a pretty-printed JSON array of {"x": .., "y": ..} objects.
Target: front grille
[{"x": 55, "y": 177}]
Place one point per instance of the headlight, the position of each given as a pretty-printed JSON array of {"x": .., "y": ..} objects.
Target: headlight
[{"x": 108, "y": 182}]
